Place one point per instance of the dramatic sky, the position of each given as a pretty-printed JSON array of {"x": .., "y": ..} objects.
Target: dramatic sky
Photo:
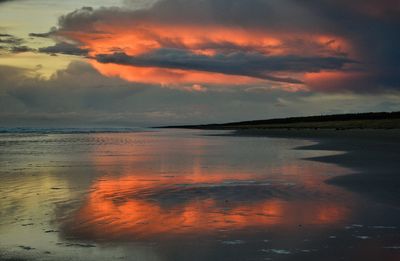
[{"x": 151, "y": 62}]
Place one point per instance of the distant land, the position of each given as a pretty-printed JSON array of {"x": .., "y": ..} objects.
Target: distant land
[{"x": 370, "y": 120}]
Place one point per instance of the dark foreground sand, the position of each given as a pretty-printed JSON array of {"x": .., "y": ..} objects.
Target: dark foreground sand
[{"x": 374, "y": 155}]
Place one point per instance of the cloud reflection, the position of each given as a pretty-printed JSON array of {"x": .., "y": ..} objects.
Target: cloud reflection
[{"x": 134, "y": 207}]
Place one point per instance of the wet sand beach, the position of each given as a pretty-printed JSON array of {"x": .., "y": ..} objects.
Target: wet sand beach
[
  {"x": 373, "y": 155},
  {"x": 193, "y": 195}
]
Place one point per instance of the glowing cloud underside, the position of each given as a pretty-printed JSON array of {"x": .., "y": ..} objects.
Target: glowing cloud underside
[{"x": 217, "y": 55}]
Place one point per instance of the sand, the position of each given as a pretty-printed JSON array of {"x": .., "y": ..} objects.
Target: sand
[
  {"x": 188, "y": 195},
  {"x": 373, "y": 155}
]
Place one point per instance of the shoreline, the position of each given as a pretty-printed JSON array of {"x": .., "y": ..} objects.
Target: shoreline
[
  {"x": 373, "y": 155},
  {"x": 350, "y": 121}
]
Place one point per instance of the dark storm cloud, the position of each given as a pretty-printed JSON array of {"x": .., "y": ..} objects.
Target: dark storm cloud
[
  {"x": 64, "y": 48},
  {"x": 291, "y": 15},
  {"x": 371, "y": 27},
  {"x": 245, "y": 13},
  {"x": 246, "y": 64},
  {"x": 80, "y": 96}
]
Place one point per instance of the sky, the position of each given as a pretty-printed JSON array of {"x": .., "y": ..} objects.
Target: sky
[{"x": 158, "y": 62}]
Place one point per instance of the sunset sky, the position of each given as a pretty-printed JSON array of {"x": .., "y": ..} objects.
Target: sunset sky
[{"x": 148, "y": 62}]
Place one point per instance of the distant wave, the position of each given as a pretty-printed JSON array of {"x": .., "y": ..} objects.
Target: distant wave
[{"x": 70, "y": 130}]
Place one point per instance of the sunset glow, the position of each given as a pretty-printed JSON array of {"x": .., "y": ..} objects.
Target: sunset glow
[
  {"x": 138, "y": 39},
  {"x": 112, "y": 211},
  {"x": 199, "y": 130}
]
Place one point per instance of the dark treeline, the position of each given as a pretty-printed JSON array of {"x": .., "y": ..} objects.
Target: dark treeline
[{"x": 307, "y": 119}]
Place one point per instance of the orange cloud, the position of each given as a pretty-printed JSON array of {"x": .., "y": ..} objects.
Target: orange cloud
[
  {"x": 141, "y": 38},
  {"x": 208, "y": 41},
  {"x": 330, "y": 80},
  {"x": 154, "y": 75}
]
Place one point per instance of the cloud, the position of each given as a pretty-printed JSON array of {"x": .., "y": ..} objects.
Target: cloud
[
  {"x": 145, "y": 31},
  {"x": 21, "y": 49},
  {"x": 323, "y": 37},
  {"x": 12, "y": 44},
  {"x": 241, "y": 63},
  {"x": 80, "y": 96},
  {"x": 44, "y": 35},
  {"x": 64, "y": 48},
  {"x": 251, "y": 13},
  {"x": 139, "y": 4},
  {"x": 10, "y": 39},
  {"x": 324, "y": 46},
  {"x": 326, "y": 31},
  {"x": 202, "y": 61}
]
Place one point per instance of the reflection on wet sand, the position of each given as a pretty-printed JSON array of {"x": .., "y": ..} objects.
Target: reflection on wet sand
[
  {"x": 181, "y": 196},
  {"x": 135, "y": 200},
  {"x": 132, "y": 207}
]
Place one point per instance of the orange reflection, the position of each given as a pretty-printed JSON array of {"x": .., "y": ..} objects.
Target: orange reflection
[
  {"x": 170, "y": 197},
  {"x": 130, "y": 206}
]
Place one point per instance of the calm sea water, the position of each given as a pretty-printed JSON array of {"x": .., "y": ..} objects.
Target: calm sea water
[{"x": 181, "y": 195}]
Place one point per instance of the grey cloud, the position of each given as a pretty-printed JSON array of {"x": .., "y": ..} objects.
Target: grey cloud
[
  {"x": 240, "y": 63},
  {"x": 64, "y": 48},
  {"x": 10, "y": 39},
  {"x": 21, "y": 49},
  {"x": 44, "y": 35},
  {"x": 139, "y": 4},
  {"x": 244, "y": 13},
  {"x": 80, "y": 96},
  {"x": 12, "y": 44}
]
